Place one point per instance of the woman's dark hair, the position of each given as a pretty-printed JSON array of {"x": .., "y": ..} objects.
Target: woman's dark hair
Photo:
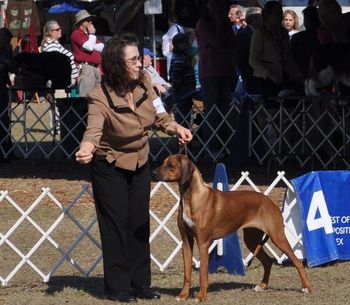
[
  {"x": 311, "y": 19},
  {"x": 181, "y": 42},
  {"x": 269, "y": 8},
  {"x": 116, "y": 73}
]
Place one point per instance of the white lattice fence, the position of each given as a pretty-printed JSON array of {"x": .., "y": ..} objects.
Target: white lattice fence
[{"x": 163, "y": 228}]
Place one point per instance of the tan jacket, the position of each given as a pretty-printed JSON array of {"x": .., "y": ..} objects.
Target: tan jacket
[
  {"x": 119, "y": 133},
  {"x": 269, "y": 56}
]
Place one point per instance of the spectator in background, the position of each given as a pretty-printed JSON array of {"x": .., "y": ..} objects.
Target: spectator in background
[
  {"x": 335, "y": 31},
  {"x": 305, "y": 43},
  {"x": 291, "y": 22},
  {"x": 244, "y": 37},
  {"x": 50, "y": 43},
  {"x": 161, "y": 86},
  {"x": 86, "y": 49},
  {"x": 217, "y": 70},
  {"x": 334, "y": 21},
  {"x": 7, "y": 66},
  {"x": 271, "y": 56},
  {"x": 236, "y": 14},
  {"x": 167, "y": 46},
  {"x": 182, "y": 76}
]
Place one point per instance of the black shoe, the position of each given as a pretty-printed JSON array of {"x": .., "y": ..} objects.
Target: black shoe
[
  {"x": 123, "y": 297},
  {"x": 145, "y": 293}
]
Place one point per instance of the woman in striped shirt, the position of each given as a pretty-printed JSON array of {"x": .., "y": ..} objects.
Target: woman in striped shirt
[{"x": 52, "y": 33}]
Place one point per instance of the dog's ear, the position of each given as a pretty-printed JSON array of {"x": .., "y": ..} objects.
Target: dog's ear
[{"x": 187, "y": 169}]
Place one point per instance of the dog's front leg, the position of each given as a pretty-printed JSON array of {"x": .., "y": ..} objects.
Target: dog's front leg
[
  {"x": 203, "y": 272},
  {"x": 187, "y": 253}
]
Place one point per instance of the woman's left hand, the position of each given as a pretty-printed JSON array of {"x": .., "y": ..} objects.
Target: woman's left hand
[{"x": 183, "y": 134}]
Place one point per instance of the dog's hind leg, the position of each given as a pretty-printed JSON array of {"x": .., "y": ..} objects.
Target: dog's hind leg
[
  {"x": 254, "y": 239},
  {"x": 280, "y": 240},
  {"x": 257, "y": 249}
]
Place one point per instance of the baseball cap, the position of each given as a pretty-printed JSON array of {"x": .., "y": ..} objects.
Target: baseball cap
[{"x": 147, "y": 52}]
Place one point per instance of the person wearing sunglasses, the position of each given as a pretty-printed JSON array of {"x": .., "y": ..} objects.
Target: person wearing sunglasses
[
  {"x": 122, "y": 111},
  {"x": 86, "y": 48},
  {"x": 50, "y": 43}
]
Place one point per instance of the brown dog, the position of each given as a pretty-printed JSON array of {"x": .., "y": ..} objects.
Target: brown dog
[{"x": 206, "y": 214}]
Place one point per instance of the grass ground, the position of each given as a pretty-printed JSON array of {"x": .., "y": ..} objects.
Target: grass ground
[
  {"x": 67, "y": 286},
  {"x": 24, "y": 180}
]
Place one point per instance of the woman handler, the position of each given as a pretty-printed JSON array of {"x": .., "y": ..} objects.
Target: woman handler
[{"x": 121, "y": 112}]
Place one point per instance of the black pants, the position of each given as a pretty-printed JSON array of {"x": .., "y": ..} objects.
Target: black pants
[{"x": 122, "y": 207}]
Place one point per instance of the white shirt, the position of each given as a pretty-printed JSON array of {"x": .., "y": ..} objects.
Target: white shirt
[
  {"x": 168, "y": 36},
  {"x": 156, "y": 78},
  {"x": 91, "y": 44}
]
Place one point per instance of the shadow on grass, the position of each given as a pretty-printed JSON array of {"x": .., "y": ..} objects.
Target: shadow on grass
[
  {"x": 213, "y": 287},
  {"x": 94, "y": 286},
  {"x": 91, "y": 285},
  {"x": 229, "y": 286}
]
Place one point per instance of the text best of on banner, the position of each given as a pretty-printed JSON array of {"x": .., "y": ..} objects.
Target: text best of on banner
[{"x": 324, "y": 200}]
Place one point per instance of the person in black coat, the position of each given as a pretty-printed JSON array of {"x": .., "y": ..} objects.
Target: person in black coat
[
  {"x": 244, "y": 37},
  {"x": 182, "y": 77},
  {"x": 306, "y": 42},
  {"x": 6, "y": 66}
]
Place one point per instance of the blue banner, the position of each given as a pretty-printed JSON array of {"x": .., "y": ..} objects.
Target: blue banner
[{"x": 324, "y": 200}]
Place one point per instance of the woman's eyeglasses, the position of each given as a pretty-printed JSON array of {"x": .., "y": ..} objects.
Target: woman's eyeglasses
[
  {"x": 133, "y": 60},
  {"x": 56, "y": 30}
]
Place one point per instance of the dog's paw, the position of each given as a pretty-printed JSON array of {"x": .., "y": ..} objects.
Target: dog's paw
[
  {"x": 197, "y": 300},
  {"x": 257, "y": 288},
  {"x": 305, "y": 290},
  {"x": 181, "y": 298},
  {"x": 261, "y": 287},
  {"x": 200, "y": 297}
]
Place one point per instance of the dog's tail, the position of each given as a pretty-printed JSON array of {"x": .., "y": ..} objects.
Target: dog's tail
[{"x": 258, "y": 248}]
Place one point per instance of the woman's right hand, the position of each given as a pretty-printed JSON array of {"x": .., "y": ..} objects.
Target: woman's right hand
[
  {"x": 85, "y": 153},
  {"x": 83, "y": 156}
]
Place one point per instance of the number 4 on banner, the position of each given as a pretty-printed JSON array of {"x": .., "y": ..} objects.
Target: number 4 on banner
[{"x": 318, "y": 203}]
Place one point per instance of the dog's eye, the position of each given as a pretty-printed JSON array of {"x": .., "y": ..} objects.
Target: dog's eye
[{"x": 169, "y": 166}]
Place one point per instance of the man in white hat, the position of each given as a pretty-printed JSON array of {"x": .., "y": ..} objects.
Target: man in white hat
[{"x": 86, "y": 49}]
